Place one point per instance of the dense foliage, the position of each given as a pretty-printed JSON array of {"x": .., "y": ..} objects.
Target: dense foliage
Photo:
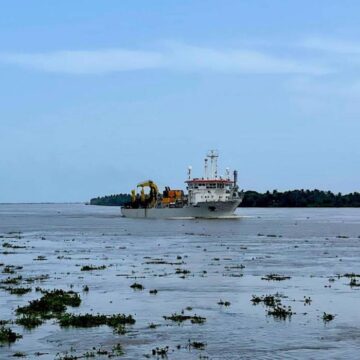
[
  {"x": 111, "y": 200},
  {"x": 300, "y": 198},
  {"x": 293, "y": 198}
]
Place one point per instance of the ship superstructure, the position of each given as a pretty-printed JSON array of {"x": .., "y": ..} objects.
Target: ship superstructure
[{"x": 211, "y": 196}]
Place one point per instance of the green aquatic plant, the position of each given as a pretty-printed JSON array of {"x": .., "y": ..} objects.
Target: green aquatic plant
[
  {"x": 328, "y": 317},
  {"x": 7, "y": 335},
  {"x": 162, "y": 352},
  {"x": 281, "y": 312},
  {"x": 92, "y": 267},
  {"x": 18, "y": 291},
  {"x": 349, "y": 275},
  {"x": 307, "y": 300},
  {"x": 8, "y": 270},
  {"x": 182, "y": 271},
  {"x": 29, "y": 321},
  {"x": 196, "y": 345},
  {"x": 118, "y": 350},
  {"x": 195, "y": 319},
  {"x": 275, "y": 277},
  {"x": 224, "y": 303},
  {"x": 11, "y": 280},
  {"x": 37, "y": 278},
  {"x": 354, "y": 282},
  {"x": 51, "y": 302},
  {"x": 12, "y": 246},
  {"x": 137, "y": 286},
  {"x": 19, "y": 354},
  {"x": 153, "y": 326},
  {"x": 40, "y": 258},
  {"x": 89, "y": 320},
  {"x": 267, "y": 300}
]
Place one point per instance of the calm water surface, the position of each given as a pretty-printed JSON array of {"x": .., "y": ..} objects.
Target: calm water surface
[{"x": 312, "y": 246}]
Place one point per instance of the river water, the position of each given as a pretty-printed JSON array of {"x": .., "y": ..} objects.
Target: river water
[{"x": 226, "y": 260}]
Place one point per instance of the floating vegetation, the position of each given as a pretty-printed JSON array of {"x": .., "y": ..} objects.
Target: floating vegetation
[
  {"x": 92, "y": 267},
  {"x": 37, "y": 278},
  {"x": 224, "y": 303},
  {"x": 328, "y": 317},
  {"x": 350, "y": 275},
  {"x": 196, "y": 345},
  {"x": 162, "y": 262},
  {"x": 7, "y": 335},
  {"x": 275, "y": 277},
  {"x": 354, "y": 282},
  {"x": 50, "y": 303},
  {"x": 8, "y": 270},
  {"x": 162, "y": 352},
  {"x": 153, "y": 326},
  {"x": 89, "y": 320},
  {"x": 195, "y": 234},
  {"x": 239, "y": 266},
  {"x": 117, "y": 350},
  {"x": 17, "y": 291},
  {"x": 40, "y": 258},
  {"x": 195, "y": 319},
  {"x": 273, "y": 303},
  {"x": 19, "y": 354},
  {"x": 267, "y": 300},
  {"x": 137, "y": 286},
  {"x": 307, "y": 300},
  {"x": 12, "y": 246},
  {"x": 281, "y": 312},
  {"x": 11, "y": 280},
  {"x": 182, "y": 271},
  {"x": 29, "y": 321}
]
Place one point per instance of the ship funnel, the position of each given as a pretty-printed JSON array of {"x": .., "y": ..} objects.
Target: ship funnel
[{"x": 235, "y": 177}]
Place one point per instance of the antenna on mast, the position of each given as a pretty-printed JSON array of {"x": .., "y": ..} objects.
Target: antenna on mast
[
  {"x": 189, "y": 171},
  {"x": 213, "y": 156},
  {"x": 227, "y": 173}
]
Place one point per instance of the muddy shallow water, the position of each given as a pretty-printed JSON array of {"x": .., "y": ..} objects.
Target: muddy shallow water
[{"x": 226, "y": 260}]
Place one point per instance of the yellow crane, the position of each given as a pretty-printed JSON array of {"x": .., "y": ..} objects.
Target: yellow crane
[{"x": 153, "y": 192}]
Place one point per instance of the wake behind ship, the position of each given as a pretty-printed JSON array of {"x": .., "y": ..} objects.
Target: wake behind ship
[{"x": 211, "y": 196}]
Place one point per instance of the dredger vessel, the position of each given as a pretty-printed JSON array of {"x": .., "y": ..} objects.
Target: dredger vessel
[{"x": 211, "y": 196}]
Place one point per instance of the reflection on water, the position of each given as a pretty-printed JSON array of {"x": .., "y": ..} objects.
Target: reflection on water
[{"x": 226, "y": 259}]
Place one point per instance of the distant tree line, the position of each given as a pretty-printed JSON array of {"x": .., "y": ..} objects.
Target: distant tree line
[
  {"x": 293, "y": 198},
  {"x": 111, "y": 200},
  {"x": 300, "y": 198}
]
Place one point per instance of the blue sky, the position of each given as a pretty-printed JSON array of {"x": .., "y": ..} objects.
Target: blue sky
[{"x": 99, "y": 95}]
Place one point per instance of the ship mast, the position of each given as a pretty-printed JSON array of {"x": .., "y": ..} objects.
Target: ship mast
[{"x": 213, "y": 156}]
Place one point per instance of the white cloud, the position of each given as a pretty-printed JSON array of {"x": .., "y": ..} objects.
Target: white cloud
[
  {"x": 331, "y": 45},
  {"x": 174, "y": 57},
  {"x": 86, "y": 62}
]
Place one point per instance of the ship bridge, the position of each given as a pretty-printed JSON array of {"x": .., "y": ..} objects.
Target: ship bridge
[{"x": 211, "y": 187}]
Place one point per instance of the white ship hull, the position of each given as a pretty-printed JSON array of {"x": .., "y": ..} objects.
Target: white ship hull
[{"x": 205, "y": 210}]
